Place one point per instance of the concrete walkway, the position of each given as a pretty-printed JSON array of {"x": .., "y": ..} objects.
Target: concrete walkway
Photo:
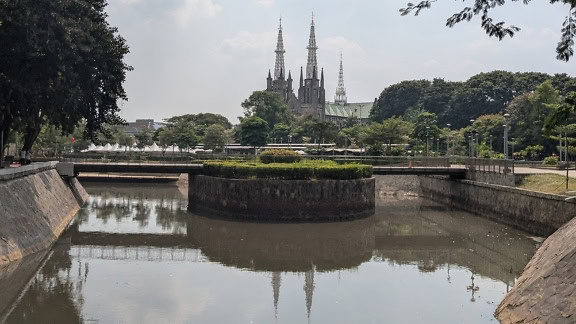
[{"x": 526, "y": 170}]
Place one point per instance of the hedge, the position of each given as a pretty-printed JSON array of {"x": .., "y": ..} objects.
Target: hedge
[
  {"x": 283, "y": 171},
  {"x": 279, "y": 156}
]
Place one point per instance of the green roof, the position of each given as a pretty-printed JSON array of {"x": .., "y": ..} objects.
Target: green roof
[{"x": 359, "y": 110}]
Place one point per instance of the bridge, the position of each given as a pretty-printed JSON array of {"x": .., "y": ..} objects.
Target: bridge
[{"x": 197, "y": 169}]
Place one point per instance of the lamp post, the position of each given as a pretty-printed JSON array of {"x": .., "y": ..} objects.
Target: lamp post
[
  {"x": 506, "y": 129},
  {"x": 448, "y": 140},
  {"x": 427, "y": 131},
  {"x": 471, "y": 139},
  {"x": 290, "y": 141}
]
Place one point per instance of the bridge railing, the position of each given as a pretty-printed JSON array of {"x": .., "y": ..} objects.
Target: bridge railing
[{"x": 500, "y": 166}]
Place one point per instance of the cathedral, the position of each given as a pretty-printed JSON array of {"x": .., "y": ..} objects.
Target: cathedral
[{"x": 311, "y": 99}]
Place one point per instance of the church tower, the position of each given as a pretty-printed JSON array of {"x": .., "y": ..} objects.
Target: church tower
[
  {"x": 311, "y": 94},
  {"x": 340, "y": 97},
  {"x": 280, "y": 83}
]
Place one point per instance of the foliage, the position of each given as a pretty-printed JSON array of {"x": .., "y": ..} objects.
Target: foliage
[
  {"x": 425, "y": 126},
  {"x": 144, "y": 138},
  {"x": 280, "y": 133},
  {"x": 564, "y": 49},
  {"x": 284, "y": 171},
  {"x": 279, "y": 156},
  {"x": 166, "y": 137},
  {"x": 532, "y": 152},
  {"x": 200, "y": 122},
  {"x": 215, "y": 138},
  {"x": 267, "y": 105},
  {"x": 61, "y": 63},
  {"x": 458, "y": 102},
  {"x": 391, "y": 131},
  {"x": 253, "y": 131}
]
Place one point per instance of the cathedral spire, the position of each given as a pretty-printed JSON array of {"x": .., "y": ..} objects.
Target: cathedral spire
[
  {"x": 340, "y": 97},
  {"x": 279, "y": 67},
  {"x": 276, "y": 281},
  {"x": 309, "y": 290},
  {"x": 312, "y": 61}
]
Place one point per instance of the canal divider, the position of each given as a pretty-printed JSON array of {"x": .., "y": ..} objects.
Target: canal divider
[{"x": 36, "y": 206}]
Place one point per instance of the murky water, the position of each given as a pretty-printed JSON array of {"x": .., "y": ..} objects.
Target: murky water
[{"x": 135, "y": 255}]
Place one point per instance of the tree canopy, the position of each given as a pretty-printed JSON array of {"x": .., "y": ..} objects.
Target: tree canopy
[
  {"x": 62, "y": 63},
  {"x": 269, "y": 106},
  {"x": 564, "y": 49}
]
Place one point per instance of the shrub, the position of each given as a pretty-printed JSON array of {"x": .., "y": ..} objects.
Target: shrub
[
  {"x": 550, "y": 160},
  {"x": 279, "y": 156},
  {"x": 287, "y": 171}
]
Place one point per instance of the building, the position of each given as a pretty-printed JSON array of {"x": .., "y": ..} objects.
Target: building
[
  {"x": 134, "y": 128},
  {"x": 311, "y": 98}
]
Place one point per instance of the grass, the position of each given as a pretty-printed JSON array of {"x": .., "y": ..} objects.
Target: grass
[{"x": 548, "y": 183}]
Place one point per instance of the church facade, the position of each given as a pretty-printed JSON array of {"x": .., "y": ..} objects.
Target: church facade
[{"x": 311, "y": 94}]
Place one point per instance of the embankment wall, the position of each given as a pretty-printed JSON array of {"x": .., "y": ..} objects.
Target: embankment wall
[
  {"x": 283, "y": 200},
  {"x": 36, "y": 206}
]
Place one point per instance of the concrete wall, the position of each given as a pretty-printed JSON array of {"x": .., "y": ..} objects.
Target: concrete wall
[
  {"x": 492, "y": 178},
  {"x": 36, "y": 205},
  {"x": 534, "y": 212},
  {"x": 278, "y": 200}
]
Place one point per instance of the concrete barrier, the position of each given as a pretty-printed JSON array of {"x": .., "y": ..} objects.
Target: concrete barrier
[{"x": 36, "y": 206}]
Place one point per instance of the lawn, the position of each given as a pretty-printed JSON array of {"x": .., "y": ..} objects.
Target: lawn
[{"x": 548, "y": 183}]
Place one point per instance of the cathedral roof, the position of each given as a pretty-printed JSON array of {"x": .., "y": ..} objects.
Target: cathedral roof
[{"x": 359, "y": 110}]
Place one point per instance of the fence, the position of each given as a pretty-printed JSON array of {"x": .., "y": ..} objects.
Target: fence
[{"x": 490, "y": 165}]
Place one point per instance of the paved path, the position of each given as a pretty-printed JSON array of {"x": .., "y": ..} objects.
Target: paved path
[{"x": 525, "y": 170}]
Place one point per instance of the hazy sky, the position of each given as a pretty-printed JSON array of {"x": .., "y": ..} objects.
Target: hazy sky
[{"x": 192, "y": 56}]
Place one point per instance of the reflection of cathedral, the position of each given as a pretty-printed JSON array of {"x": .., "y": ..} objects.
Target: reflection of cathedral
[
  {"x": 308, "y": 290},
  {"x": 311, "y": 99}
]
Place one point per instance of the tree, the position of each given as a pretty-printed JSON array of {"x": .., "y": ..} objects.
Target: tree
[
  {"x": 200, "y": 121},
  {"x": 144, "y": 138},
  {"x": 323, "y": 132},
  {"x": 396, "y": 99},
  {"x": 166, "y": 137},
  {"x": 391, "y": 131},
  {"x": 490, "y": 129},
  {"x": 215, "y": 138},
  {"x": 425, "y": 126},
  {"x": 253, "y": 131},
  {"x": 500, "y": 30},
  {"x": 269, "y": 106},
  {"x": 185, "y": 137},
  {"x": 280, "y": 132},
  {"x": 61, "y": 63}
]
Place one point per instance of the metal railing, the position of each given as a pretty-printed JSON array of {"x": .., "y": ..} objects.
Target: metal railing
[{"x": 490, "y": 165}]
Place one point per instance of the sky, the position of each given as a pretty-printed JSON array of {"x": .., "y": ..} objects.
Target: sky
[{"x": 193, "y": 56}]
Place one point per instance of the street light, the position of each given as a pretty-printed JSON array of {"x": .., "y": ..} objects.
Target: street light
[
  {"x": 290, "y": 141},
  {"x": 427, "y": 130},
  {"x": 448, "y": 140},
  {"x": 506, "y": 129},
  {"x": 471, "y": 138}
]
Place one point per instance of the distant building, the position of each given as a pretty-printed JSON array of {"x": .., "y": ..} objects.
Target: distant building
[
  {"x": 134, "y": 128},
  {"x": 311, "y": 99}
]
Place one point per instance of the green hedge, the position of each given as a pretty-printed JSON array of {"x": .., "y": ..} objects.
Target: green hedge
[
  {"x": 283, "y": 171},
  {"x": 279, "y": 156}
]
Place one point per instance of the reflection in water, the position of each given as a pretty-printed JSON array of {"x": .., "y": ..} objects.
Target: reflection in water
[{"x": 134, "y": 254}]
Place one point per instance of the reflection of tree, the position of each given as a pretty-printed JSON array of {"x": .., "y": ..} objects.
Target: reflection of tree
[
  {"x": 142, "y": 213},
  {"x": 171, "y": 215},
  {"x": 53, "y": 296}
]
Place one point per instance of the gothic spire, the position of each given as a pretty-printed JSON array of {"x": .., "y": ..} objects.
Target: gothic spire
[
  {"x": 279, "y": 67},
  {"x": 322, "y": 79},
  {"x": 312, "y": 61},
  {"x": 301, "y": 78},
  {"x": 276, "y": 281},
  {"x": 340, "y": 97},
  {"x": 309, "y": 290}
]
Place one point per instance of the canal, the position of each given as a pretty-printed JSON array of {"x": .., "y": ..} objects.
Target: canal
[{"x": 134, "y": 254}]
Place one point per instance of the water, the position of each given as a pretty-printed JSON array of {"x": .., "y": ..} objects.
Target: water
[{"x": 136, "y": 255}]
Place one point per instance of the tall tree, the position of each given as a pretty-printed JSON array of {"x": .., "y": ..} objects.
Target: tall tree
[
  {"x": 253, "y": 131},
  {"x": 269, "y": 106},
  {"x": 396, "y": 99},
  {"x": 61, "y": 63},
  {"x": 215, "y": 138},
  {"x": 564, "y": 49}
]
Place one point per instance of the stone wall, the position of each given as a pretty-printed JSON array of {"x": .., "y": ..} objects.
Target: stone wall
[
  {"x": 545, "y": 292},
  {"x": 283, "y": 200},
  {"x": 534, "y": 212},
  {"x": 36, "y": 206},
  {"x": 492, "y": 178}
]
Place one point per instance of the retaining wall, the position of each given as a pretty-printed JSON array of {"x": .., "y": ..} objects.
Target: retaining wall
[
  {"x": 283, "y": 200},
  {"x": 36, "y": 206},
  {"x": 534, "y": 212}
]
